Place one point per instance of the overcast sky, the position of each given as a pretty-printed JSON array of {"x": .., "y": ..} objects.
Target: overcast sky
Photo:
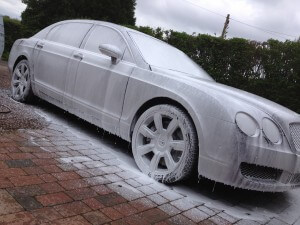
[{"x": 207, "y": 16}]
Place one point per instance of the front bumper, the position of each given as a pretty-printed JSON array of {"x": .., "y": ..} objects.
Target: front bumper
[{"x": 250, "y": 163}]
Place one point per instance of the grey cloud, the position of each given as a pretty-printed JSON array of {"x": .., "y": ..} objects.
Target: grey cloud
[{"x": 277, "y": 15}]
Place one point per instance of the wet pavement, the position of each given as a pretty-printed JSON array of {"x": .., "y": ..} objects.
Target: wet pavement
[{"x": 71, "y": 172}]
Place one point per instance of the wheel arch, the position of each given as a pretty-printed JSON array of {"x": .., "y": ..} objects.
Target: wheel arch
[
  {"x": 158, "y": 101},
  {"x": 19, "y": 59}
]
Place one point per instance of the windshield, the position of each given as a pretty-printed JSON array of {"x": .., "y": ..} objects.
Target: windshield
[{"x": 159, "y": 54}]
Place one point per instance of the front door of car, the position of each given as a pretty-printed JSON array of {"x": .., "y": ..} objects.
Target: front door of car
[
  {"x": 52, "y": 61},
  {"x": 99, "y": 90}
]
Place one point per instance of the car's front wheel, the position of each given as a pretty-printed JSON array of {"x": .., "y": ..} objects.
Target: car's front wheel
[
  {"x": 21, "y": 84},
  {"x": 164, "y": 143}
]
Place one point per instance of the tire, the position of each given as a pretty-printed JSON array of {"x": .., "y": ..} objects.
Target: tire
[
  {"x": 21, "y": 82},
  {"x": 165, "y": 143}
]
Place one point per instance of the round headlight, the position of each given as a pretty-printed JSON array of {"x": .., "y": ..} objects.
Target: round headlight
[
  {"x": 271, "y": 131},
  {"x": 247, "y": 124}
]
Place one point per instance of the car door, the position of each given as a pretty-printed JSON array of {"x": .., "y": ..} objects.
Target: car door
[
  {"x": 54, "y": 54},
  {"x": 100, "y": 85}
]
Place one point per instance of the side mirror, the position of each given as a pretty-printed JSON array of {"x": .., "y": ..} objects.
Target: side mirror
[{"x": 112, "y": 51}]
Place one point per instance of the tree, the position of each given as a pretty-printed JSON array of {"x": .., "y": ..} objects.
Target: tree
[{"x": 41, "y": 13}]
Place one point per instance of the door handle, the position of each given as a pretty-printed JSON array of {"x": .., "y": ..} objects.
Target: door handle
[
  {"x": 40, "y": 45},
  {"x": 78, "y": 56}
]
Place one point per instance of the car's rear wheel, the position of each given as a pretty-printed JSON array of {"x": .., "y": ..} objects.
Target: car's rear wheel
[
  {"x": 164, "y": 143},
  {"x": 21, "y": 84}
]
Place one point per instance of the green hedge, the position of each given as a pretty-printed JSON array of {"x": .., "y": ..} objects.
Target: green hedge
[
  {"x": 13, "y": 31},
  {"x": 269, "y": 69}
]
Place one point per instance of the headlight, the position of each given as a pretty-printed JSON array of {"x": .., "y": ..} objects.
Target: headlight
[
  {"x": 247, "y": 124},
  {"x": 271, "y": 131}
]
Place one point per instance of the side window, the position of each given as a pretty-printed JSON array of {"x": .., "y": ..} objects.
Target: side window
[
  {"x": 106, "y": 35},
  {"x": 70, "y": 33}
]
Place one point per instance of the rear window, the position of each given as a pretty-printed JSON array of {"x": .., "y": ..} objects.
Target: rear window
[{"x": 69, "y": 34}]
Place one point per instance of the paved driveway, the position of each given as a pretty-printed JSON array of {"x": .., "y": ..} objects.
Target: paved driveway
[{"x": 70, "y": 172}]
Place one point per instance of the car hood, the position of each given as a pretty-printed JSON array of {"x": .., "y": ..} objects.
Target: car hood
[{"x": 223, "y": 93}]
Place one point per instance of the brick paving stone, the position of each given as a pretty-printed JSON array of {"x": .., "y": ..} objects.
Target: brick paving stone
[
  {"x": 159, "y": 200},
  {"x": 219, "y": 220},
  {"x": 21, "y": 156},
  {"x": 126, "y": 209},
  {"x": 171, "y": 195},
  {"x": 112, "y": 213},
  {"x": 93, "y": 181},
  {"x": 66, "y": 175},
  {"x": 75, "y": 220},
  {"x": 48, "y": 178},
  {"x": 169, "y": 209},
  {"x": 247, "y": 222},
  {"x": 147, "y": 190},
  {"x": 83, "y": 193},
  {"x": 5, "y": 183},
  {"x": 106, "y": 156},
  {"x": 20, "y": 163},
  {"x": 93, "y": 164},
  {"x": 113, "y": 177},
  {"x": 158, "y": 187},
  {"x": 40, "y": 162},
  {"x": 227, "y": 217},
  {"x": 195, "y": 215},
  {"x": 111, "y": 162},
  {"x": 53, "y": 199},
  {"x": 111, "y": 169},
  {"x": 128, "y": 192},
  {"x": 184, "y": 204},
  {"x": 133, "y": 183},
  {"x": 96, "y": 171},
  {"x": 96, "y": 218},
  {"x": 73, "y": 184},
  {"x": 51, "y": 187},
  {"x": 134, "y": 220},
  {"x": 207, "y": 210},
  {"x": 46, "y": 215},
  {"x": 79, "y": 166},
  {"x": 27, "y": 191},
  {"x": 180, "y": 219},
  {"x": 4, "y": 157},
  {"x": 143, "y": 204},
  {"x": 51, "y": 169},
  {"x": 3, "y": 165},
  {"x": 28, "y": 203},
  {"x": 144, "y": 180},
  {"x": 34, "y": 170},
  {"x": 75, "y": 159},
  {"x": 26, "y": 180},
  {"x": 67, "y": 167},
  {"x": 110, "y": 199},
  {"x": 84, "y": 173},
  {"x": 102, "y": 190},
  {"x": 127, "y": 175},
  {"x": 14, "y": 219},
  {"x": 8, "y": 204},
  {"x": 72, "y": 209},
  {"x": 93, "y": 203},
  {"x": 153, "y": 215}
]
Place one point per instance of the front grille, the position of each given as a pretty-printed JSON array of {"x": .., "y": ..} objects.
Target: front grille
[
  {"x": 295, "y": 132},
  {"x": 260, "y": 172}
]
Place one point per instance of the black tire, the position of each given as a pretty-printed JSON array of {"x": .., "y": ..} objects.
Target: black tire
[
  {"x": 21, "y": 82},
  {"x": 173, "y": 140}
]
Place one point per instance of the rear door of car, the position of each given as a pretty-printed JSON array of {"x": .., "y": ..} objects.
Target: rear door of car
[
  {"x": 100, "y": 86},
  {"x": 53, "y": 62}
]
